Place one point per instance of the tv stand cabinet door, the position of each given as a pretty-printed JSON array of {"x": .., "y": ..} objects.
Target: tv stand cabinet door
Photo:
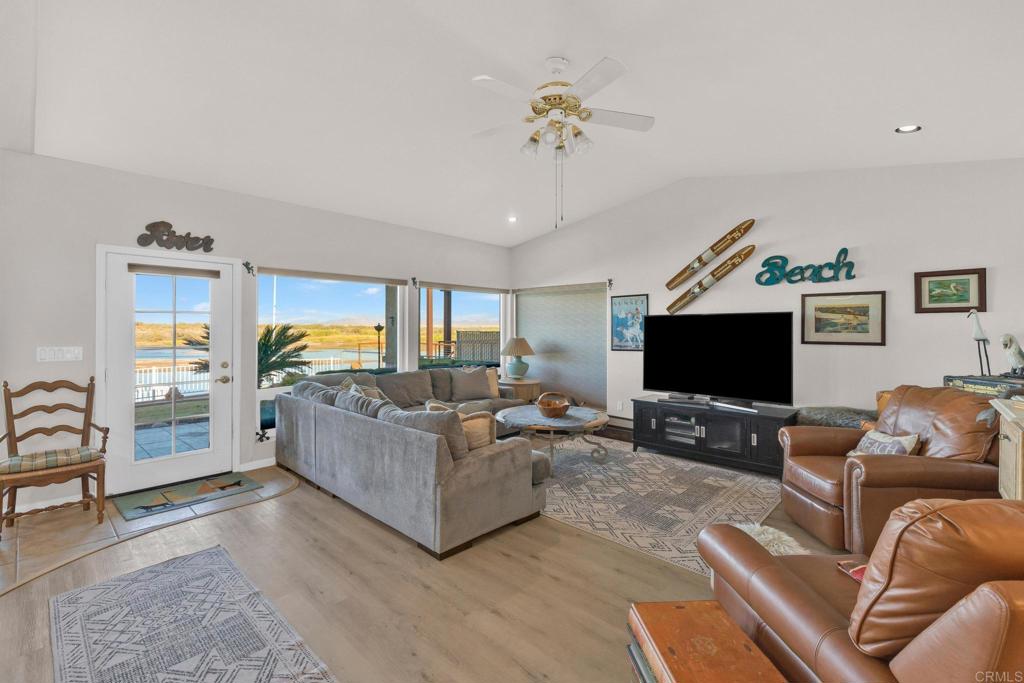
[
  {"x": 645, "y": 422},
  {"x": 765, "y": 446},
  {"x": 725, "y": 435}
]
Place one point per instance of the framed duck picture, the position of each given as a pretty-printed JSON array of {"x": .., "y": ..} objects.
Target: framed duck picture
[
  {"x": 949, "y": 291},
  {"x": 628, "y": 322},
  {"x": 856, "y": 318}
]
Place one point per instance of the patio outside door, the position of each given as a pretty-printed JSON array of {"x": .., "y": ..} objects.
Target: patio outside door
[{"x": 169, "y": 369}]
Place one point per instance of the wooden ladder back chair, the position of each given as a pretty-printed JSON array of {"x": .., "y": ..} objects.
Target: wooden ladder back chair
[{"x": 56, "y": 466}]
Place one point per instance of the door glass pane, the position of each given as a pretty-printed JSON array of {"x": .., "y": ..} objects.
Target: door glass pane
[
  {"x": 192, "y": 294},
  {"x": 153, "y": 293},
  {"x": 172, "y": 361},
  {"x": 191, "y": 434}
]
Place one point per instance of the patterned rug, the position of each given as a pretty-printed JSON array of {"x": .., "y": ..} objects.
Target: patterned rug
[
  {"x": 193, "y": 619},
  {"x": 164, "y": 498},
  {"x": 656, "y": 504}
]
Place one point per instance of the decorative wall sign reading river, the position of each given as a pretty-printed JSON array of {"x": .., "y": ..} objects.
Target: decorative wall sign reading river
[
  {"x": 162, "y": 234},
  {"x": 777, "y": 270}
]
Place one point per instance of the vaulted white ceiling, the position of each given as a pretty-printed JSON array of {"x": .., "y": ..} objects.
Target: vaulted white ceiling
[{"x": 366, "y": 107}]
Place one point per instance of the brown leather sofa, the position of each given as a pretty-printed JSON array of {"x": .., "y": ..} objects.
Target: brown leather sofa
[
  {"x": 942, "y": 598},
  {"x": 845, "y": 501}
]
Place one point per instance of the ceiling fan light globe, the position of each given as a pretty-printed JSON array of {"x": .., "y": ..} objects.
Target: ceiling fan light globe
[
  {"x": 549, "y": 136},
  {"x": 582, "y": 143},
  {"x": 530, "y": 147}
]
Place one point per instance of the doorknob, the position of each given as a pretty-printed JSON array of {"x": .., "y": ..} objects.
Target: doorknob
[{"x": 224, "y": 379}]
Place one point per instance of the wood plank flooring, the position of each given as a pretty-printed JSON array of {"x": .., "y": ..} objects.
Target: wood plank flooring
[
  {"x": 538, "y": 602},
  {"x": 38, "y": 542}
]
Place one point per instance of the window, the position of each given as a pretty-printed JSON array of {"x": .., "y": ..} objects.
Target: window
[
  {"x": 309, "y": 325},
  {"x": 459, "y": 327}
]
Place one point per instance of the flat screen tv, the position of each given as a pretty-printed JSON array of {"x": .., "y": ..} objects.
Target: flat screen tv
[{"x": 742, "y": 356}]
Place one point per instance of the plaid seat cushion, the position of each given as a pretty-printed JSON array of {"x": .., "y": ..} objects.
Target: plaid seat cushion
[{"x": 45, "y": 460}]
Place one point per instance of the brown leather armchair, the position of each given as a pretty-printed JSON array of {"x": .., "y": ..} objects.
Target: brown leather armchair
[
  {"x": 956, "y": 616},
  {"x": 845, "y": 501}
]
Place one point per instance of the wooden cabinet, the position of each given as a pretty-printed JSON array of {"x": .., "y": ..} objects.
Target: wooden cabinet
[
  {"x": 1011, "y": 449},
  {"x": 719, "y": 435}
]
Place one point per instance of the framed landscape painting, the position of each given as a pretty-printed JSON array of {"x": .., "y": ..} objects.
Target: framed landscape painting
[
  {"x": 628, "y": 322},
  {"x": 949, "y": 291},
  {"x": 856, "y": 318}
]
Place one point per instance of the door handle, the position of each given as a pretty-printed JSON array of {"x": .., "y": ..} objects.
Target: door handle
[
  {"x": 654, "y": 423},
  {"x": 224, "y": 379}
]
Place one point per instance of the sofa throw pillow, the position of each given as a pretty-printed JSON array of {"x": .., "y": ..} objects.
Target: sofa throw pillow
[
  {"x": 349, "y": 384},
  {"x": 334, "y": 379},
  {"x": 447, "y": 424},
  {"x": 492, "y": 382},
  {"x": 304, "y": 389},
  {"x": 354, "y": 401},
  {"x": 480, "y": 429},
  {"x": 470, "y": 383},
  {"x": 406, "y": 389},
  {"x": 879, "y": 443}
]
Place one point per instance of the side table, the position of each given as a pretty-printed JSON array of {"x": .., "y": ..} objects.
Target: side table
[
  {"x": 526, "y": 389},
  {"x": 692, "y": 641}
]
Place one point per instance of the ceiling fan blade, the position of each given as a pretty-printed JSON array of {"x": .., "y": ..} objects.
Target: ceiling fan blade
[
  {"x": 619, "y": 119},
  {"x": 491, "y": 132},
  {"x": 601, "y": 74},
  {"x": 502, "y": 88}
]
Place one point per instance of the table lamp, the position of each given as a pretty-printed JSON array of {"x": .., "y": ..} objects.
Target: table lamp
[{"x": 517, "y": 347}]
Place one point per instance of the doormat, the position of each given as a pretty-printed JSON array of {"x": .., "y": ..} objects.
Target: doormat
[
  {"x": 194, "y": 618},
  {"x": 164, "y": 498}
]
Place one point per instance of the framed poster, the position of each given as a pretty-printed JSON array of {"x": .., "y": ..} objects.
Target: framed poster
[
  {"x": 852, "y": 318},
  {"x": 628, "y": 322},
  {"x": 949, "y": 291}
]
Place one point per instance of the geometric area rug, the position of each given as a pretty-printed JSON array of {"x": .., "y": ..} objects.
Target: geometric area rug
[
  {"x": 653, "y": 503},
  {"x": 174, "y": 496},
  {"x": 192, "y": 619}
]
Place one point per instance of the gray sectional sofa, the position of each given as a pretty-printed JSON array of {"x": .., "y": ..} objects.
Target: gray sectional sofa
[{"x": 418, "y": 482}]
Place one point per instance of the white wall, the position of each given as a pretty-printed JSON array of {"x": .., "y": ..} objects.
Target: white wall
[
  {"x": 53, "y": 213},
  {"x": 895, "y": 221}
]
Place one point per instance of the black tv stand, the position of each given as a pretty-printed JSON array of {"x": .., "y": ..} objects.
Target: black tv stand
[{"x": 712, "y": 431}]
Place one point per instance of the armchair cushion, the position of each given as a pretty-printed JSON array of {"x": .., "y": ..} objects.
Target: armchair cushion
[
  {"x": 45, "y": 460},
  {"x": 819, "y": 475},
  {"x": 952, "y": 423},
  {"x": 930, "y": 555}
]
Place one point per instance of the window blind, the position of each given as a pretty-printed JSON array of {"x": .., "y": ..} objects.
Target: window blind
[{"x": 332, "y": 276}]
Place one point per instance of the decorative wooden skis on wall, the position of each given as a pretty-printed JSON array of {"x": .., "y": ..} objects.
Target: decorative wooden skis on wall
[
  {"x": 720, "y": 271},
  {"x": 727, "y": 240}
]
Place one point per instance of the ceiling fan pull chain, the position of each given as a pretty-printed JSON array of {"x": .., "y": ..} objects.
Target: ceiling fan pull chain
[{"x": 561, "y": 189}]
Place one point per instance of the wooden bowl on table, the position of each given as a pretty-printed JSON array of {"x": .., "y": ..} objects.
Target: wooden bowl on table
[{"x": 552, "y": 404}]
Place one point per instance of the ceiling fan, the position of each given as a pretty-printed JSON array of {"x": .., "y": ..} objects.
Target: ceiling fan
[{"x": 557, "y": 103}]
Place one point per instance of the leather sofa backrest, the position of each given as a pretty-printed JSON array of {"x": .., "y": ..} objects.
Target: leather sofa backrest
[
  {"x": 930, "y": 555},
  {"x": 951, "y": 423}
]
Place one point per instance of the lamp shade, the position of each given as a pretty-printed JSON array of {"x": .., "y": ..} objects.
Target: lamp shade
[{"x": 517, "y": 346}]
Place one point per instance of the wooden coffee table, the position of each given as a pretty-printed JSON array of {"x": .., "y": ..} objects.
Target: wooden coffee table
[
  {"x": 693, "y": 642},
  {"x": 577, "y": 421}
]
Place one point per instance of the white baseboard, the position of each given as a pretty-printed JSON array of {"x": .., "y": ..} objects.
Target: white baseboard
[{"x": 257, "y": 464}]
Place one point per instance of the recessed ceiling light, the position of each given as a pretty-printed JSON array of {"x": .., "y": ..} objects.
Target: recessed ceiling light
[
  {"x": 908, "y": 129},
  {"x": 512, "y": 219}
]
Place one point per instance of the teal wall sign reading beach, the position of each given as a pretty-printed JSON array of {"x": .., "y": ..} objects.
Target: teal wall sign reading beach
[{"x": 777, "y": 270}]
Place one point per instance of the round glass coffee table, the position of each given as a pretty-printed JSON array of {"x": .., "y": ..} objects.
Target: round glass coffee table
[{"x": 577, "y": 421}]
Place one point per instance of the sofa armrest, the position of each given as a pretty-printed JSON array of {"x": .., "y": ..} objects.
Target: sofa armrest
[
  {"x": 994, "y": 616},
  {"x": 875, "y": 485},
  {"x": 808, "y": 440}
]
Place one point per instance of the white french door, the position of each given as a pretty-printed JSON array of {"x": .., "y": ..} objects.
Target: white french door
[{"x": 170, "y": 369}]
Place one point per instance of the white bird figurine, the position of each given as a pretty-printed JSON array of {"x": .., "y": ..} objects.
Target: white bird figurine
[
  {"x": 982, "y": 340},
  {"x": 1013, "y": 354}
]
